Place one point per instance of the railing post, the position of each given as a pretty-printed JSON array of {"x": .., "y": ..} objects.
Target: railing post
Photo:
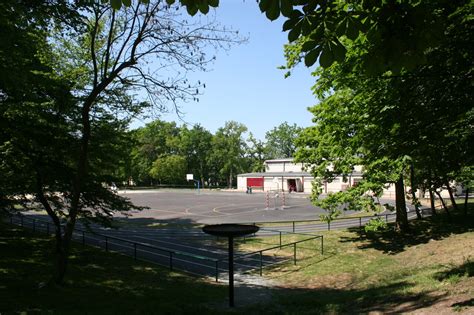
[
  {"x": 386, "y": 218},
  {"x": 106, "y": 244},
  {"x": 261, "y": 263},
  {"x": 322, "y": 245},
  {"x": 135, "y": 251},
  {"x": 171, "y": 261},
  {"x": 280, "y": 239},
  {"x": 329, "y": 225},
  {"x": 294, "y": 253},
  {"x": 293, "y": 226},
  {"x": 360, "y": 222},
  {"x": 217, "y": 270}
]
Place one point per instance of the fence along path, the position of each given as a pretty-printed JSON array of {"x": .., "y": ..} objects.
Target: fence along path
[{"x": 209, "y": 261}]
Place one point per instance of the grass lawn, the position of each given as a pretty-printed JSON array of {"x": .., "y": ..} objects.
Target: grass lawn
[{"x": 430, "y": 271}]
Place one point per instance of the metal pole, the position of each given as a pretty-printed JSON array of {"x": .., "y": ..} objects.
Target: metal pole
[
  {"x": 217, "y": 270},
  {"x": 293, "y": 226},
  {"x": 280, "y": 239},
  {"x": 322, "y": 245},
  {"x": 231, "y": 271},
  {"x": 360, "y": 222},
  {"x": 171, "y": 261},
  {"x": 261, "y": 263},
  {"x": 294, "y": 253},
  {"x": 329, "y": 225}
]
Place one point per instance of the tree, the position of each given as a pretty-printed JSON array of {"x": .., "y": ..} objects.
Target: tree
[
  {"x": 256, "y": 154},
  {"x": 169, "y": 169},
  {"x": 228, "y": 151},
  {"x": 281, "y": 141},
  {"x": 105, "y": 62},
  {"x": 392, "y": 124},
  {"x": 196, "y": 145},
  {"x": 154, "y": 140}
]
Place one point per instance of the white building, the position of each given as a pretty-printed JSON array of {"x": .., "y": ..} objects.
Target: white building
[{"x": 284, "y": 174}]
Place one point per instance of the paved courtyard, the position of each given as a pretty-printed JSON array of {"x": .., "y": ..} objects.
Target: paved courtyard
[{"x": 210, "y": 207}]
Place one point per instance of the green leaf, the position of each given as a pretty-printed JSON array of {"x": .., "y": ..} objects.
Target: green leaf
[
  {"x": 309, "y": 45},
  {"x": 170, "y": 2},
  {"x": 339, "y": 52},
  {"x": 127, "y": 3},
  {"x": 326, "y": 59},
  {"x": 352, "y": 31},
  {"x": 192, "y": 9},
  {"x": 294, "y": 33},
  {"x": 264, "y": 5},
  {"x": 116, "y": 4},
  {"x": 311, "y": 57},
  {"x": 204, "y": 8},
  {"x": 286, "y": 8},
  {"x": 213, "y": 3},
  {"x": 289, "y": 24},
  {"x": 273, "y": 11}
]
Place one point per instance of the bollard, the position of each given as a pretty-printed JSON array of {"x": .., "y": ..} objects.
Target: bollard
[{"x": 294, "y": 253}]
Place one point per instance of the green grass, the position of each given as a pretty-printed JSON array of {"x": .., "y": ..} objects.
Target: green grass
[
  {"x": 97, "y": 282},
  {"x": 431, "y": 268}
]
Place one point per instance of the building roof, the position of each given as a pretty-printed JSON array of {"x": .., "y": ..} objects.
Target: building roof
[
  {"x": 279, "y": 160},
  {"x": 277, "y": 174}
]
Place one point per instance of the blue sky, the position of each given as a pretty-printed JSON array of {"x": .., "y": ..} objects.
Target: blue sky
[{"x": 244, "y": 83}]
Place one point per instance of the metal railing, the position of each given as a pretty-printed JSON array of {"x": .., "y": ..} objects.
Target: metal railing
[{"x": 173, "y": 259}]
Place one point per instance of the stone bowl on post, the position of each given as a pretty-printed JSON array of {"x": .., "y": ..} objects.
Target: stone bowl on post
[{"x": 230, "y": 231}]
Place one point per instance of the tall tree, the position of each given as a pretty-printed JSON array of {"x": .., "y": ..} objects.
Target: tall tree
[
  {"x": 280, "y": 141},
  {"x": 146, "y": 47},
  {"x": 228, "y": 151}
]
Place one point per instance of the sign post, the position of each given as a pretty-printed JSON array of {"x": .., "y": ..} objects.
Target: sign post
[{"x": 191, "y": 177}]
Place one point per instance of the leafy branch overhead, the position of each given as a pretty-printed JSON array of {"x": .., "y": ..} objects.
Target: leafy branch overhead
[{"x": 192, "y": 6}]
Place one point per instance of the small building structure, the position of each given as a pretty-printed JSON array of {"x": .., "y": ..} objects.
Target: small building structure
[{"x": 286, "y": 175}]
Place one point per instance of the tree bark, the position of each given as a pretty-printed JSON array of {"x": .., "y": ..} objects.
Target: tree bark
[
  {"x": 466, "y": 199},
  {"x": 432, "y": 201},
  {"x": 413, "y": 195},
  {"x": 451, "y": 196},
  {"x": 400, "y": 205},
  {"x": 443, "y": 203}
]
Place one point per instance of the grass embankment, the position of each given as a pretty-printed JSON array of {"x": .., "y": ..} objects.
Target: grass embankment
[
  {"x": 430, "y": 271},
  {"x": 97, "y": 282}
]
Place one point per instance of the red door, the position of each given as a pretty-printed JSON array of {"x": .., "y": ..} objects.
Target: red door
[{"x": 255, "y": 182}]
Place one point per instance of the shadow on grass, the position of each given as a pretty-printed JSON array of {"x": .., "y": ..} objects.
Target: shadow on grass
[
  {"x": 108, "y": 283},
  {"x": 456, "y": 272},
  {"x": 323, "y": 300},
  {"x": 421, "y": 232}
]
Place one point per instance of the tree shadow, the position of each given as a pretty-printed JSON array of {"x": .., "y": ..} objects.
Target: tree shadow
[
  {"x": 421, "y": 232},
  {"x": 389, "y": 298},
  {"x": 456, "y": 272}
]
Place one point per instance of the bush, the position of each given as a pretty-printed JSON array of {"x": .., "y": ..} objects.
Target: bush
[{"x": 376, "y": 225}]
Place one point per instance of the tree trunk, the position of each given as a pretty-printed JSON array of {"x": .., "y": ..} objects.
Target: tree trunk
[
  {"x": 444, "y": 204},
  {"x": 466, "y": 199},
  {"x": 400, "y": 205},
  {"x": 432, "y": 201},
  {"x": 451, "y": 196},
  {"x": 413, "y": 195}
]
